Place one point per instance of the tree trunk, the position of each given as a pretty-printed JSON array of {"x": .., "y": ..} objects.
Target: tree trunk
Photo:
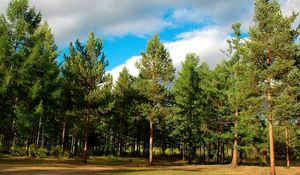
[
  {"x": 85, "y": 144},
  {"x": 270, "y": 118},
  {"x": 133, "y": 148},
  {"x": 287, "y": 147},
  {"x": 204, "y": 154},
  {"x": 77, "y": 146},
  {"x": 119, "y": 147},
  {"x": 63, "y": 135},
  {"x": 223, "y": 152},
  {"x": 151, "y": 144},
  {"x": 218, "y": 151},
  {"x": 43, "y": 138},
  {"x": 144, "y": 147},
  {"x": 73, "y": 142},
  {"x": 190, "y": 153},
  {"x": 234, "y": 160},
  {"x": 200, "y": 152},
  {"x": 183, "y": 153},
  {"x": 138, "y": 145},
  {"x": 27, "y": 147},
  {"x": 271, "y": 136},
  {"x": 14, "y": 132},
  {"x": 208, "y": 152},
  {"x": 38, "y": 134}
]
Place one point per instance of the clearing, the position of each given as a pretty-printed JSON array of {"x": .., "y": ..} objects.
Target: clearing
[{"x": 123, "y": 166}]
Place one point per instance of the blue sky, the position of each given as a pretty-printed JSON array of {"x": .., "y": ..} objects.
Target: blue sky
[
  {"x": 200, "y": 26},
  {"x": 121, "y": 48}
]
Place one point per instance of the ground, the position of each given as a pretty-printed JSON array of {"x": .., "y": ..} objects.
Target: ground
[{"x": 123, "y": 166}]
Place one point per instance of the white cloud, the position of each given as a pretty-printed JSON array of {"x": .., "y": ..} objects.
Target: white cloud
[
  {"x": 291, "y": 5},
  {"x": 72, "y": 19},
  {"x": 219, "y": 12},
  {"x": 75, "y": 18},
  {"x": 129, "y": 64},
  {"x": 205, "y": 42},
  {"x": 136, "y": 27}
]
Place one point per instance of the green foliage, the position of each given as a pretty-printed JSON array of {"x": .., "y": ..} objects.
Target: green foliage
[
  {"x": 18, "y": 151},
  {"x": 88, "y": 87},
  {"x": 57, "y": 151},
  {"x": 156, "y": 72},
  {"x": 38, "y": 152},
  {"x": 189, "y": 103},
  {"x": 57, "y": 109}
]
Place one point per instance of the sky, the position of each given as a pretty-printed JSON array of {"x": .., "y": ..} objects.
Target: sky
[{"x": 125, "y": 26}]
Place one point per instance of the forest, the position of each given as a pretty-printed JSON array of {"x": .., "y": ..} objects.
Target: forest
[{"x": 245, "y": 110}]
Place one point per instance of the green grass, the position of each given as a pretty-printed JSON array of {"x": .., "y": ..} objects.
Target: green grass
[{"x": 124, "y": 166}]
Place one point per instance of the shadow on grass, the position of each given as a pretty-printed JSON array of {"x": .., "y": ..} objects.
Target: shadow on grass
[
  {"x": 73, "y": 171},
  {"x": 93, "y": 171},
  {"x": 104, "y": 165}
]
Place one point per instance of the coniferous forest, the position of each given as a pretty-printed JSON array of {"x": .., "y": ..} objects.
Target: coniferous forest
[{"x": 245, "y": 110}]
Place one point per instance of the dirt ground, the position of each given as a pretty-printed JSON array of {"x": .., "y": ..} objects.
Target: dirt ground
[{"x": 129, "y": 166}]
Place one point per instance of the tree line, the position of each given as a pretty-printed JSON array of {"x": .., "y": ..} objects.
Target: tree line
[{"x": 244, "y": 110}]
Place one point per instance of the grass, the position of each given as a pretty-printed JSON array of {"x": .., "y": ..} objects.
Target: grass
[{"x": 124, "y": 166}]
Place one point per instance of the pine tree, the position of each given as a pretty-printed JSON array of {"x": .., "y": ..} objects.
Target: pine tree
[
  {"x": 220, "y": 120},
  {"x": 271, "y": 53},
  {"x": 90, "y": 85},
  {"x": 235, "y": 94},
  {"x": 29, "y": 71},
  {"x": 187, "y": 119},
  {"x": 123, "y": 95},
  {"x": 286, "y": 108},
  {"x": 156, "y": 72},
  {"x": 41, "y": 80}
]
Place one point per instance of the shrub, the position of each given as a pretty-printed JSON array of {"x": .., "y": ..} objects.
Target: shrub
[
  {"x": 18, "y": 151},
  {"x": 57, "y": 151},
  {"x": 96, "y": 152},
  {"x": 38, "y": 152}
]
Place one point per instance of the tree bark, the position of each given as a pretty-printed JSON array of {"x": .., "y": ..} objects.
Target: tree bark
[
  {"x": 204, "y": 154},
  {"x": 38, "y": 134},
  {"x": 119, "y": 147},
  {"x": 287, "y": 147},
  {"x": 28, "y": 147},
  {"x": 144, "y": 147},
  {"x": 63, "y": 135},
  {"x": 271, "y": 136},
  {"x": 151, "y": 144},
  {"x": 14, "y": 132},
  {"x": 223, "y": 152},
  {"x": 234, "y": 160},
  {"x": 73, "y": 143},
  {"x": 85, "y": 145},
  {"x": 270, "y": 118}
]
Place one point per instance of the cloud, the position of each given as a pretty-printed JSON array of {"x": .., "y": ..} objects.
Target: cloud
[
  {"x": 220, "y": 12},
  {"x": 75, "y": 18},
  {"x": 129, "y": 64},
  {"x": 206, "y": 42},
  {"x": 288, "y": 6}
]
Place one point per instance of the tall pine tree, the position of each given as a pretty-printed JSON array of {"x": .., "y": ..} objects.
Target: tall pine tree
[
  {"x": 271, "y": 54},
  {"x": 188, "y": 100},
  {"x": 90, "y": 85},
  {"x": 123, "y": 95},
  {"x": 156, "y": 72}
]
